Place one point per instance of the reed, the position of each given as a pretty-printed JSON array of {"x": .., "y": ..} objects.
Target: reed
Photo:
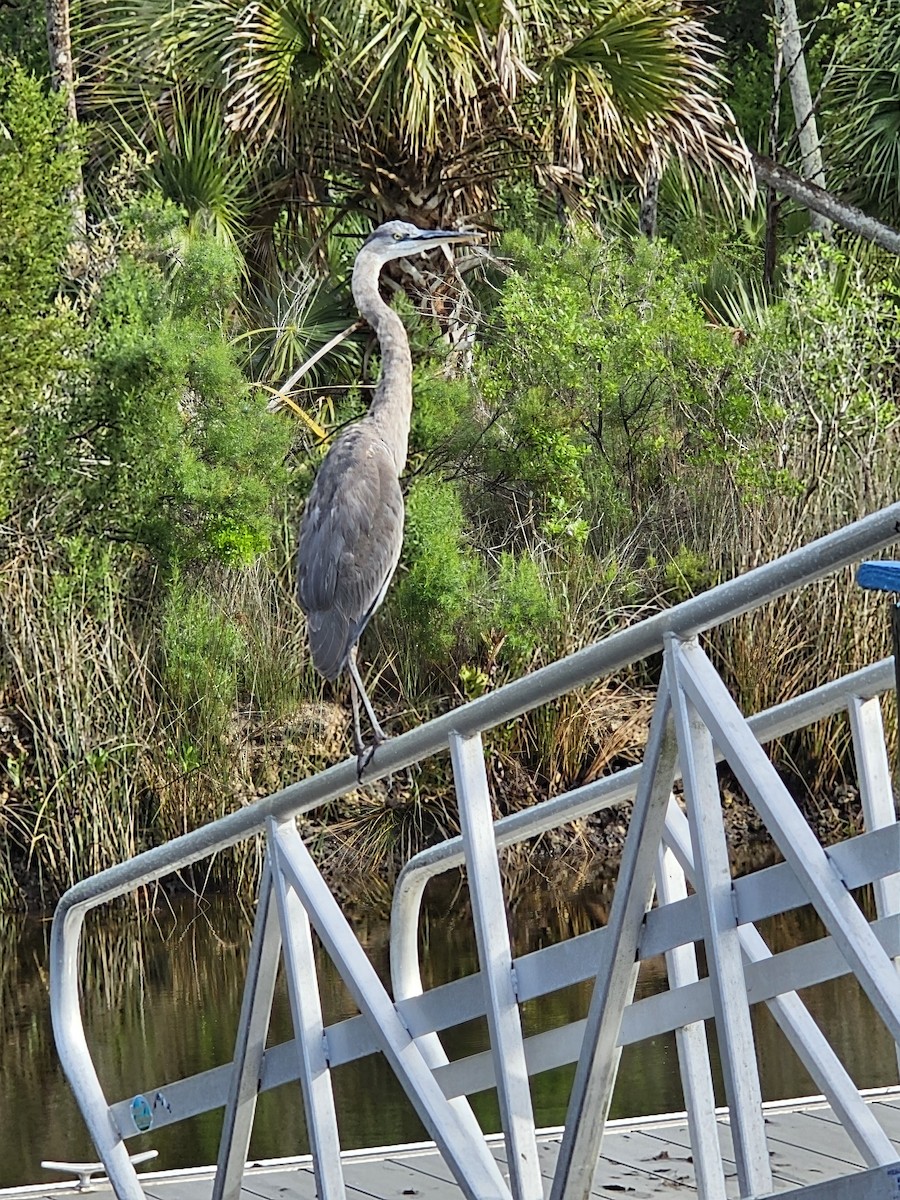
[{"x": 105, "y": 751}]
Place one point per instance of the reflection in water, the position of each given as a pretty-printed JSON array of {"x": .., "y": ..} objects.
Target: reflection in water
[{"x": 162, "y": 996}]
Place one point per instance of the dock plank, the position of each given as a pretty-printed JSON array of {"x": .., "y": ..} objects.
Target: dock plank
[
  {"x": 642, "y": 1153},
  {"x": 389, "y": 1179},
  {"x": 645, "y": 1159},
  {"x": 298, "y": 1183},
  {"x": 809, "y": 1130},
  {"x": 888, "y": 1116},
  {"x": 791, "y": 1164},
  {"x": 619, "y": 1168},
  {"x": 432, "y": 1165},
  {"x": 199, "y": 1188}
]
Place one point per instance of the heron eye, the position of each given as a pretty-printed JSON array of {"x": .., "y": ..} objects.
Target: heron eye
[{"x": 398, "y": 237}]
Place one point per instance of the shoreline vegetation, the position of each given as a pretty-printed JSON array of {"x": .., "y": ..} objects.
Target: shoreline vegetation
[{"x": 604, "y": 424}]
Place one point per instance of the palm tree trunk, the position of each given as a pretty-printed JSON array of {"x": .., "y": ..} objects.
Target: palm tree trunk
[
  {"x": 62, "y": 73},
  {"x": 649, "y": 204},
  {"x": 801, "y": 98},
  {"x": 773, "y": 200}
]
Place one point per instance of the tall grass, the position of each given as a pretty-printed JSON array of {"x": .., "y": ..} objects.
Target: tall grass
[
  {"x": 106, "y": 748},
  {"x": 77, "y": 682},
  {"x": 115, "y": 736}
]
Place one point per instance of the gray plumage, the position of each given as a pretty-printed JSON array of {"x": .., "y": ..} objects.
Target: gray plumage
[{"x": 352, "y": 528}]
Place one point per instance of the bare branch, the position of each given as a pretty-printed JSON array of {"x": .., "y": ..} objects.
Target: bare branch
[{"x": 826, "y": 203}]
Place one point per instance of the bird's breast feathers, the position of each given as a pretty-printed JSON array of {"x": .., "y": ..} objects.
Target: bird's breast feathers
[{"x": 352, "y": 528}]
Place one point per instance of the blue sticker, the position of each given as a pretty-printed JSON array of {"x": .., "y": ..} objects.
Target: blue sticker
[{"x": 141, "y": 1114}]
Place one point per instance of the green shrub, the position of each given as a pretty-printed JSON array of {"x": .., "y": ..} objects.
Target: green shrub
[
  {"x": 40, "y": 336},
  {"x": 184, "y": 458},
  {"x": 203, "y": 655},
  {"x": 523, "y": 610},
  {"x": 598, "y": 387},
  {"x": 437, "y": 593}
]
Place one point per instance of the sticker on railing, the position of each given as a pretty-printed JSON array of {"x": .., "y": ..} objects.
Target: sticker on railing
[{"x": 141, "y": 1113}]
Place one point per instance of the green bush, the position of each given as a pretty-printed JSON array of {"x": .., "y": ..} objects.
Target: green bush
[
  {"x": 184, "y": 458},
  {"x": 598, "y": 386},
  {"x": 203, "y": 655},
  {"x": 40, "y": 337},
  {"x": 437, "y": 593},
  {"x": 524, "y": 609}
]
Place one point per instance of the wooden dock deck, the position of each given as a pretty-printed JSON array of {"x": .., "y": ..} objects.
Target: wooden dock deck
[{"x": 643, "y": 1159}]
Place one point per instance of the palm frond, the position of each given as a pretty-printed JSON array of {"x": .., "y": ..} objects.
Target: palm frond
[
  {"x": 280, "y": 66},
  {"x": 636, "y": 89},
  {"x": 863, "y": 110},
  {"x": 296, "y": 318},
  {"x": 129, "y": 49},
  {"x": 423, "y": 69},
  {"x": 195, "y": 164}
]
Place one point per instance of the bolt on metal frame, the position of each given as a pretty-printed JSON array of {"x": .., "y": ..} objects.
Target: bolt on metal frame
[{"x": 694, "y": 722}]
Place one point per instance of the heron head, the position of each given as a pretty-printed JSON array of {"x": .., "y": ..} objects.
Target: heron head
[{"x": 399, "y": 239}]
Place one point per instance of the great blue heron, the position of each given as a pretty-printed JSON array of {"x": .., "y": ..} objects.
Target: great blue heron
[{"x": 352, "y": 527}]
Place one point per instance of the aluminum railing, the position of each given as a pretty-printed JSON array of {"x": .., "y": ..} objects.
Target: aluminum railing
[
  {"x": 842, "y": 695},
  {"x": 406, "y": 1028}
]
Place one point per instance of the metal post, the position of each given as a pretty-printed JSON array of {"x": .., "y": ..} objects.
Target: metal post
[
  {"x": 693, "y": 1050},
  {"x": 253, "y": 1027},
  {"x": 804, "y": 1035},
  {"x": 495, "y": 958},
  {"x": 472, "y": 1164},
  {"x": 875, "y": 792},
  {"x": 309, "y": 1028},
  {"x": 811, "y": 864},
  {"x": 723, "y": 950},
  {"x": 598, "y": 1062}
]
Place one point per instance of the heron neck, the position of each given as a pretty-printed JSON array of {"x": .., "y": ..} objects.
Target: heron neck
[{"x": 391, "y": 404}]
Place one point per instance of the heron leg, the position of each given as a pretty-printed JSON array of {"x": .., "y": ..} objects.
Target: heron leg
[
  {"x": 380, "y": 735},
  {"x": 358, "y": 692},
  {"x": 363, "y": 752},
  {"x": 359, "y": 746}
]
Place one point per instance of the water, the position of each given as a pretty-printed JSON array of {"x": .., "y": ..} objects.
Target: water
[{"x": 162, "y": 995}]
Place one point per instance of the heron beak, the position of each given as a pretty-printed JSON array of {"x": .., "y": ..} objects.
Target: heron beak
[{"x": 450, "y": 235}]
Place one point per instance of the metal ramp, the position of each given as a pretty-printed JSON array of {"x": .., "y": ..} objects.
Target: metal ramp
[{"x": 695, "y": 723}]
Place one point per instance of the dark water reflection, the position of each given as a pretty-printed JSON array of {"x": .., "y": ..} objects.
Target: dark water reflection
[{"x": 163, "y": 995}]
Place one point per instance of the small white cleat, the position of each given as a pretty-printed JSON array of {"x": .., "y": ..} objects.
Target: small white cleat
[{"x": 85, "y": 1171}]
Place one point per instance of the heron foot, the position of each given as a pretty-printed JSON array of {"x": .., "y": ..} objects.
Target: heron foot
[{"x": 365, "y": 755}]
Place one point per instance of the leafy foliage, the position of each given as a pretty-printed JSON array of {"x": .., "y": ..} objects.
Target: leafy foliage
[
  {"x": 632, "y": 422},
  {"x": 524, "y": 608},
  {"x": 194, "y": 165},
  {"x": 39, "y": 333},
  {"x": 203, "y": 653},
  {"x": 176, "y": 454},
  {"x": 600, "y": 401},
  {"x": 413, "y": 108},
  {"x": 23, "y": 36},
  {"x": 600, "y": 378},
  {"x": 435, "y": 594},
  {"x": 863, "y": 106}
]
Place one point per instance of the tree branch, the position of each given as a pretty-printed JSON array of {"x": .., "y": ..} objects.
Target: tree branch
[{"x": 825, "y": 203}]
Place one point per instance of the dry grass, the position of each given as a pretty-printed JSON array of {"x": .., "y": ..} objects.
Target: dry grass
[{"x": 97, "y": 761}]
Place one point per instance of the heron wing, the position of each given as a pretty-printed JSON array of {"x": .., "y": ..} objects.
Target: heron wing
[{"x": 350, "y": 541}]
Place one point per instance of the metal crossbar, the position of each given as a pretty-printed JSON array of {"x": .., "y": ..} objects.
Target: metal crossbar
[{"x": 694, "y": 724}]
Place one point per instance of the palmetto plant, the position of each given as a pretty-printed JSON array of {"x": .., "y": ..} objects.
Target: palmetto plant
[
  {"x": 864, "y": 110},
  {"x": 418, "y": 108},
  {"x": 195, "y": 164}
]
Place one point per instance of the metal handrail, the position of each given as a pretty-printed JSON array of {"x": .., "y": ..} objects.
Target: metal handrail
[
  {"x": 591, "y": 798},
  {"x": 712, "y": 608},
  {"x": 346, "y": 1043}
]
